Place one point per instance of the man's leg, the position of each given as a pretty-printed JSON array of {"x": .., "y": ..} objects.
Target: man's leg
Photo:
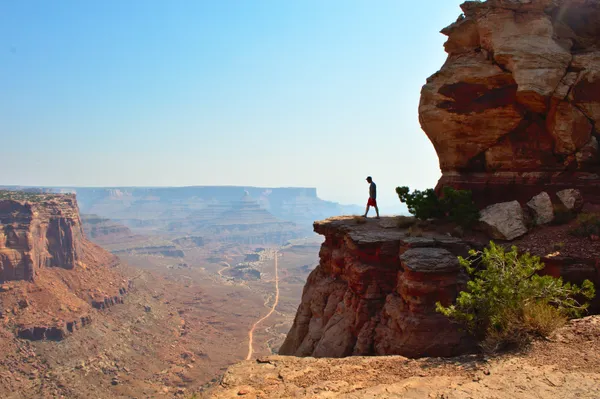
[
  {"x": 366, "y": 211},
  {"x": 377, "y": 210}
]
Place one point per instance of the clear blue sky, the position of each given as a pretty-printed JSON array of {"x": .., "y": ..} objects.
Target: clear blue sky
[{"x": 266, "y": 93}]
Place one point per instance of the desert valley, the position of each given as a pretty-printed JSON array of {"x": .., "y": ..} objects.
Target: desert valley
[
  {"x": 487, "y": 286},
  {"x": 195, "y": 271}
]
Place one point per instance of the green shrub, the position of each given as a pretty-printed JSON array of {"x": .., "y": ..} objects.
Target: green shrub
[
  {"x": 587, "y": 224},
  {"x": 459, "y": 206},
  {"x": 456, "y": 205},
  {"x": 423, "y": 204},
  {"x": 507, "y": 303}
]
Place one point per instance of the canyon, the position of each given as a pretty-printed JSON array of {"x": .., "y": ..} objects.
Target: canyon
[
  {"x": 158, "y": 292},
  {"x": 162, "y": 318}
]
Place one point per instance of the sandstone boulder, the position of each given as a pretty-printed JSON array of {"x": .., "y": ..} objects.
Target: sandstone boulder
[
  {"x": 571, "y": 199},
  {"x": 504, "y": 221},
  {"x": 541, "y": 206}
]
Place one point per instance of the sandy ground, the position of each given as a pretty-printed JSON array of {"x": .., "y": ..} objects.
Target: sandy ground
[{"x": 567, "y": 365}]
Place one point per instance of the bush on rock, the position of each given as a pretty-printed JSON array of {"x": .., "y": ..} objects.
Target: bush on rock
[
  {"x": 506, "y": 303},
  {"x": 455, "y": 205}
]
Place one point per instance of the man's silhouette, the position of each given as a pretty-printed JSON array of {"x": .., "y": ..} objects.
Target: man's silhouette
[{"x": 372, "y": 197}]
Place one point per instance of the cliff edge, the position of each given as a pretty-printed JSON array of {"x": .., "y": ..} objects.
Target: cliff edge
[{"x": 374, "y": 293}]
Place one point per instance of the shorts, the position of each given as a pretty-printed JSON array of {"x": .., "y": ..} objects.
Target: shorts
[{"x": 372, "y": 202}]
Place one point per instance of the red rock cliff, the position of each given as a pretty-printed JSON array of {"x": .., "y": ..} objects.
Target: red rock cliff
[
  {"x": 38, "y": 231},
  {"x": 52, "y": 276},
  {"x": 516, "y": 106},
  {"x": 374, "y": 293}
]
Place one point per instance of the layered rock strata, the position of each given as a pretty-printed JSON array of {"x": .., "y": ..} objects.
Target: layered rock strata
[
  {"x": 515, "y": 110},
  {"x": 43, "y": 232},
  {"x": 374, "y": 293},
  {"x": 52, "y": 276},
  {"x": 104, "y": 230},
  {"x": 54, "y": 333}
]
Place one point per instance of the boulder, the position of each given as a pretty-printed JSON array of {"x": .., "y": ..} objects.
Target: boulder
[
  {"x": 504, "y": 221},
  {"x": 541, "y": 206},
  {"x": 571, "y": 199}
]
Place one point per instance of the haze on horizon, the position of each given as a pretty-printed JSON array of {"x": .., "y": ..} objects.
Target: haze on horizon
[{"x": 249, "y": 93}]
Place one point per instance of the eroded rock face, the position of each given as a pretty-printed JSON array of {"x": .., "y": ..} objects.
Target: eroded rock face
[
  {"x": 515, "y": 110},
  {"x": 374, "y": 293},
  {"x": 34, "y": 234}
]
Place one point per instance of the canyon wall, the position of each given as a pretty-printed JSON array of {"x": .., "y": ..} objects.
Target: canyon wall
[
  {"x": 374, "y": 293},
  {"x": 515, "y": 109},
  {"x": 45, "y": 232},
  {"x": 51, "y": 275}
]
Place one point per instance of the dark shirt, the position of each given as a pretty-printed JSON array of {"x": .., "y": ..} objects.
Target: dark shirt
[{"x": 373, "y": 190}]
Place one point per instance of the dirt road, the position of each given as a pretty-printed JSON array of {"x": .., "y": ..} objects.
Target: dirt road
[
  {"x": 251, "y": 332},
  {"x": 220, "y": 272}
]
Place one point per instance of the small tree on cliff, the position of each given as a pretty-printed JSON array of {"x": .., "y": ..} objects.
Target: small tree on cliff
[
  {"x": 507, "y": 303},
  {"x": 456, "y": 205}
]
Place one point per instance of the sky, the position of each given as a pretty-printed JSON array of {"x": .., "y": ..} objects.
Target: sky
[{"x": 315, "y": 93}]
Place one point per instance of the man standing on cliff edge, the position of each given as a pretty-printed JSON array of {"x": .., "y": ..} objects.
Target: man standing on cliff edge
[{"x": 372, "y": 197}]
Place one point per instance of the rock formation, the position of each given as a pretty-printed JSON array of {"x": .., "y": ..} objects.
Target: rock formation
[
  {"x": 515, "y": 110},
  {"x": 52, "y": 276},
  {"x": 374, "y": 293},
  {"x": 102, "y": 230},
  {"x": 45, "y": 232}
]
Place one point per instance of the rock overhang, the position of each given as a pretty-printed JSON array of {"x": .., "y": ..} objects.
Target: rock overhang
[{"x": 515, "y": 109}]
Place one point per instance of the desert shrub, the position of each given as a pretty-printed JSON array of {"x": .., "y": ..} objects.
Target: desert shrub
[
  {"x": 507, "y": 303},
  {"x": 587, "y": 224},
  {"x": 456, "y": 205},
  {"x": 360, "y": 220},
  {"x": 423, "y": 204},
  {"x": 415, "y": 231},
  {"x": 459, "y": 206},
  {"x": 404, "y": 222}
]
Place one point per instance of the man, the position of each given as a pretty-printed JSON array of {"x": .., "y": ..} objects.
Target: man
[{"x": 372, "y": 197}]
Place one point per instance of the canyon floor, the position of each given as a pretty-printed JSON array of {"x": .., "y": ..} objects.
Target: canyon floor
[
  {"x": 181, "y": 325},
  {"x": 566, "y": 365}
]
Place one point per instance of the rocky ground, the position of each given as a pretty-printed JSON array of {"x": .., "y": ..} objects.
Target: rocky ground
[
  {"x": 566, "y": 365},
  {"x": 152, "y": 345}
]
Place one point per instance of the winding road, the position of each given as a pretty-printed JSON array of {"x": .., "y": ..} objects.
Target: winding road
[
  {"x": 251, "y": 332},
  {"x": 220, "y": 272}
]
